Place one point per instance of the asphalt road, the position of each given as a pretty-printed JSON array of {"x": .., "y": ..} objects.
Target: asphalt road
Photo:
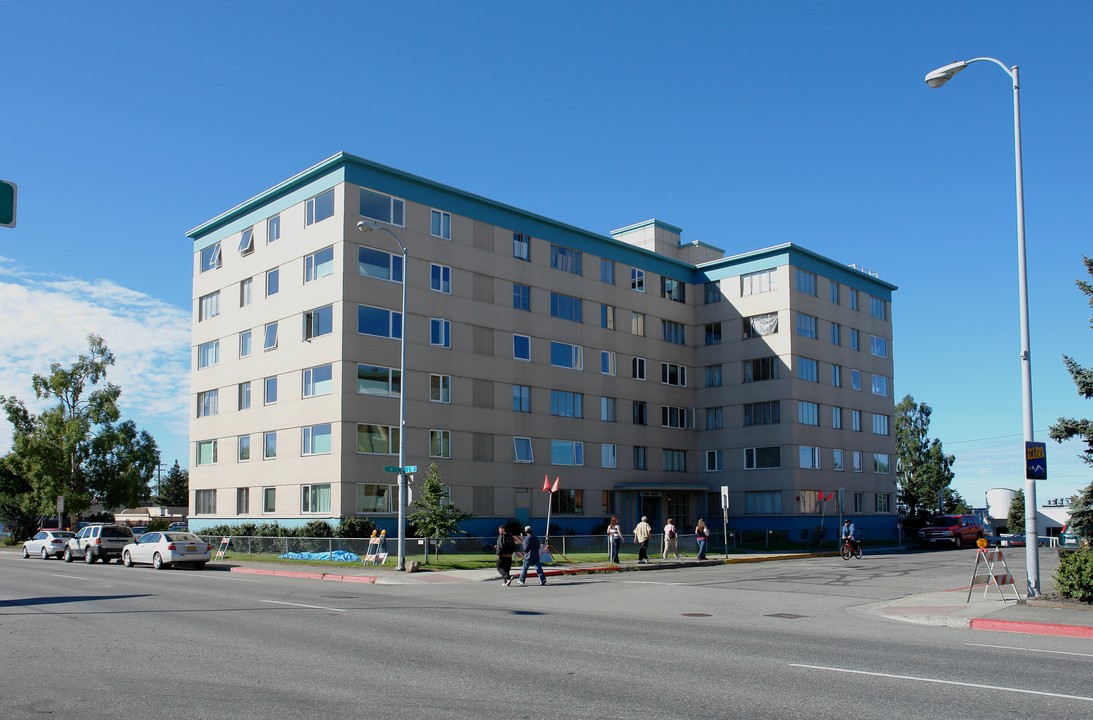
[{"x": 786, "y": 639}]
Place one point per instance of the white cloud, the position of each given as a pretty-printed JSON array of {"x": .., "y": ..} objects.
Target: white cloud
[{"x": 46, "y": 318}]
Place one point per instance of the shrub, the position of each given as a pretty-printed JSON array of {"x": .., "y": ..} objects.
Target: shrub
[
  {"x": 316, "y": 529},
  {"x": 354, "y": 527},
  {"x": 1074, "y": 578}
]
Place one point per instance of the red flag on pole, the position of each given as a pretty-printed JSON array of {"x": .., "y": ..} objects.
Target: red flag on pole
[
  {"x": 555, "y": 488},
  {"x": 546, "y": 483}
]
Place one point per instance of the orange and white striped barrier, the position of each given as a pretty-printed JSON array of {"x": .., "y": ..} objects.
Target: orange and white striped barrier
[{"x": 991, "y": 573}]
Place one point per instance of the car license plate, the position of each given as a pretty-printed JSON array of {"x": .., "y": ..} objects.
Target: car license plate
[{"x": 191, "y": 548}]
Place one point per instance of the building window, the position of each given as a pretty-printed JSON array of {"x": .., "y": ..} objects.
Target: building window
[
  {"x": 607, "y": 409},
  {"x": 273, "y": 281},
  {"x": 715, "y": 460},
  {"x": 440, "y": 332},
  {"x": 855, "y": 339},
  {"x": 673, "y": 332},
  {"x": 607, "y": 362},
  {"x": 244, "y": 448},
  {"x": 760, "y": 325},
  {"x": 884, "y": 502},
  {"x": 566, "y": 452},
  {"x": 566, "y": 404},
  {"x": 210, "y": 258},
  {"x": 246, "y": 242},
  {"x": 269, "y": 445},
  {"x": 205, "y": 502},
  {"x": 712, "y": 293},
  {"x": 672, "y": 374},
  {"x": 208, "y": 306},
  {"x": 373, "y": 498},
  {"x": 245, "y": 346},
  {"x": 836, "y": 334},
  {"x": 637, "y": 324},
  {"x": 676, "y": 417},
  {"x": 206, "y": 452},
  {"x": 316, "y": 440},
  {"x": 713, "y": 333},
  {"x": 855, "y": 420},
  {"x": 378, "y": 380},
  {"x": 567, "y": 502},
  {"x": 640, "y": 413},
  {"x": 318, "y": 322},
  {"x": 440, "y": 224},
  {"x": 806, "y": 326},
  {"x": 855, "y": 457},
  {"x": 270, "y": 390},
  {"x": 759, "y": 369},
  {"x": 379, "y": 264},
  {"x": 607, "y": 317},
  {"x": 521, "y": 398},
  {"x": 521, "y": 247},
  {"x": 641, "y": 454},
  {"x": 768, "y": 412},
  {"x": 837, "y": 418},
  {"x": 882, "y": 463},
  {"x": 379, "y": 322},
  {"x": 273, "y": 229},
  {"x": 208, "y": 354},
  {"x": 315, "y": 498},
  {"x": 565, "y": 355},
  {"x": 208, "y": 403},
  {"x": 880, "y": 424},
  {"x": 521, "y": 347},
  {"x": 879, "y": 346},
  {"x": 757, "y": 282},
  {"x": 269, "y": 337},
  {"x": 319, "y": 208},
  {"x": 522, "y": 452},
  {"x": 609, "y": 455},
  {"x": 837, "y": 460},
  {"x": 637, "y": 369},
  {"x": 808, "y": 369},
  {"x": 607, "y": 271},
  {"x": 244, "y": 395},
  {"x": 440, "y": 388},
  {"x": 714, "y": 418},
  {"x": 246, "y": 291},
  {"x": 381, "y": 207},
  {"x": 880, "y": 385},
  {"x": 637, "y": 280},
  {"x": 565, "y": 307},
  {"x": 763, "y": 502},
  {"x": 673, "y": 290},
  {"x": 318, "y": 380},
  {"x": 564, "y": 259},
  {"x": 762, "y": 458},
  {"x": 269, "y": 500},
  {"x": 673, "y": 460},
  {"x": 878, "y": 308},
  {"x": 855, "y": 380},
  {"x": 440, "y": 278},
  {"x": 318, "y": 264},
  {"x": 440, "y": 443},
  {"x": 852, "y": 298},
  {"x": 377, "y": 439},
  {"x": 806, "y": 283},
  {"x": 808, "y": 413},
  {"x": 834, "y": 292},
  {"x": 836, "y": 376},
  {"x": 521, "y": 297},
  {"x": 810, "y": 457},
  {"x": 713, "y": 376}
]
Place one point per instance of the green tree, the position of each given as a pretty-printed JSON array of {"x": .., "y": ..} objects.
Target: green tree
[
  {"x": 13, "y": 489},
  {"x": 1081, "y": 509},
  {"x": 174, "y": 487},
  {"x": 78, "y": 448},
  {"x": 436, "y": 517},
  {"x": 1015, "y": 519},
  {"x": 922, "y": 467}
]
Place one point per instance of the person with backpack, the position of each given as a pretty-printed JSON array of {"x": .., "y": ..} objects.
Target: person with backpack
[
  {"x": 506, "y": 546},
  {"x": 671, "y": 542}
]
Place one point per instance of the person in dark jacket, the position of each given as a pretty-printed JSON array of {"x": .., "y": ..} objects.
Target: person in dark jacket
[
  {"x": 506, "y": 546},
  {"x": 531, "y": 557}
]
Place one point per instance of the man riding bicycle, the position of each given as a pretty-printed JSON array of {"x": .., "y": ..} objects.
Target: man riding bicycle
[{"x": 849, "y": 535}]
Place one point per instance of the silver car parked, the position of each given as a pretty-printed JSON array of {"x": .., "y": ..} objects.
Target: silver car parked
[{"x": 47, "y": 544}]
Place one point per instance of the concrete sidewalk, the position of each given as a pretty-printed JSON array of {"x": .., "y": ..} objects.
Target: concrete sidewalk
[{"x": 950, "y": 608}]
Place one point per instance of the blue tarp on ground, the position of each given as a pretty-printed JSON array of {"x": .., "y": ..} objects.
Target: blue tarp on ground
[{"x": 336, "y": 556}]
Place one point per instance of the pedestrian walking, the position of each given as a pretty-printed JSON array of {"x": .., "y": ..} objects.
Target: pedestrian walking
[
  {"x": 642, "y": 533},
  {"x": 531, "y": 557},
  {"x": 702, "y": 536},
  {"x": 614, "y": 539},
  {"x": 671, "y": 541},
  {"x": 506, "y": 546}
]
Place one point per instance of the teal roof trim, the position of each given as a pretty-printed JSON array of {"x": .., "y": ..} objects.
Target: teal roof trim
[{"x": 790, "y": 254}]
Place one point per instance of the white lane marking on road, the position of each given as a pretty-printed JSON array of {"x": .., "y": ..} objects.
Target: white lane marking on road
[
  {"x": 313, "y": 607},
  {"x": 70, "y": 577},
  {"x": 944, "y": 682},
  {"x": 1028, "y": 649}
]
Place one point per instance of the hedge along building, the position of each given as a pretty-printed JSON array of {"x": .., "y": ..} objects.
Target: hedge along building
[{"x": 643, "y": 372}]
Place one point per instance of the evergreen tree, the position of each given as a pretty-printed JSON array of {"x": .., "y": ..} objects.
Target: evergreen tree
[
  {"x": 1015, "y": 519},
  {"x": 174, "y": 489},
  {"x": 922, "y": 467}
]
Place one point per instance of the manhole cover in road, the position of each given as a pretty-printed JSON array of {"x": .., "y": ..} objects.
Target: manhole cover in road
[
  {"x": 788, "y": 616},
  {"x": 340, "y": 596},
  {"x": 697, "y": 615}
]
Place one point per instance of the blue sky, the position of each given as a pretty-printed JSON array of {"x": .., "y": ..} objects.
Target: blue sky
[{"x": 127, "y": 123}]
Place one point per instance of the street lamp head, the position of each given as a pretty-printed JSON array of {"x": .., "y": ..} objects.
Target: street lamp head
[
  {"x": 942, "y": 75},
  {"x": 368, "y": 225}
]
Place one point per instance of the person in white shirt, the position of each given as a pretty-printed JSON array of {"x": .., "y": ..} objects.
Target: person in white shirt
[{"x": 671, "y": 541}]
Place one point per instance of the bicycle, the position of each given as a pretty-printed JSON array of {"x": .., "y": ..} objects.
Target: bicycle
[{"x": 851, "y": 549}]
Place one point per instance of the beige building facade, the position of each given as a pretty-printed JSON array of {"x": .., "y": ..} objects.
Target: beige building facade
[{"x": 642, "y": 372}]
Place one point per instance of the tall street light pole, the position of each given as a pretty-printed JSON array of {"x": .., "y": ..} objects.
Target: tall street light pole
[
  {"x": 936, "y": 79},
  {"x": 368, "y": 226}
]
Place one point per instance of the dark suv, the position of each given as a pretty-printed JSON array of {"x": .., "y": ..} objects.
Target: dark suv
[
  {"x": 101, "y": 541},
  {"x": 959, "y": 530}
]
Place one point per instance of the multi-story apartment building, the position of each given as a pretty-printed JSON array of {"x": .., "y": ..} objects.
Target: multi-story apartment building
[{"x": 643, "y": 372}]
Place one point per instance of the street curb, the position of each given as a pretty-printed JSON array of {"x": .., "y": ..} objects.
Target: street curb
[
  {"x": 1032, "y": 628},
  {"x": 306, "y": 575}
]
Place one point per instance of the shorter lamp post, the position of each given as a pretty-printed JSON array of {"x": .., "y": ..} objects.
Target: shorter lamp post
[{"x": 368, "y": 226}]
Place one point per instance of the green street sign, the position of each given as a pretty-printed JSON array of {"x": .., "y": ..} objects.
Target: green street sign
[
  {"x": 392, "y": 468},
  {"x": 411, "y": 468},
  {"x": 8, "y": 191}
]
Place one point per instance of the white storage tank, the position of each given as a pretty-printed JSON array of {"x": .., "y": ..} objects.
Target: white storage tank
[{"x": 998, "y": 503}]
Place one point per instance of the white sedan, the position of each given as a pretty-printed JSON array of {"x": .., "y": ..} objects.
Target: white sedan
[
  {"x": 47, "y": 543},
  {"x": 163, "y": 549}
]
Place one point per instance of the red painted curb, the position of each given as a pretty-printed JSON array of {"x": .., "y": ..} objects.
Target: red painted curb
[{"x": 1014, "y": 626}]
